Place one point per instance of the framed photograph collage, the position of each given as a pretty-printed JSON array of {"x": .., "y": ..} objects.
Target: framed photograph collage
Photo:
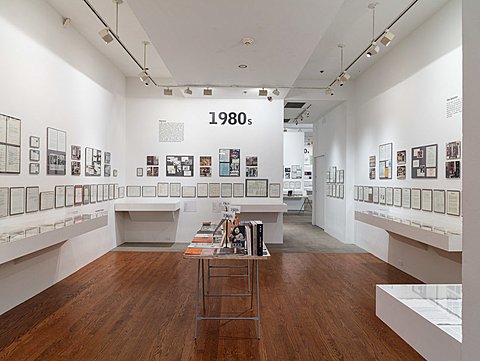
[
  {"x": 424, "y": 161},
  {"x": 93, "y": 162},
  {"x": 229, "y": 162},
  {"x": 75, "y": 160},
  {"x": 205, "y": 166},
  {"x": 153, "y": 166},
  {"x": 179, "y": 165},
  {"x": 56, "y": 151},
  {"x": 251, "y": 169},
  {"x": 385, "y": 152}
]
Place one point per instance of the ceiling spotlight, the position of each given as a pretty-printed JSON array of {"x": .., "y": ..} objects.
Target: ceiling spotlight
[
  {"x": 248, "y": 41},
  {"x": 307, "y": 113},
  {"x": 168, "y": 91},
  {"x": 345, "y": 76},
  {"x": 106, "y": 35},
  {"x": 387, "y": 37},
  {"x": 242, "y": 66},
  {"x": 188, "y": 91},
  {"x": 296, "y": 122},
  {"x": 329, "y": 91},
  {"x": 276, "y": 92},
  {"x": 339, "y": 81},
  {"x": 143, "y": 76},
  {"x": 374, "y": 49},
  {"x": 301, "y": 118},
  {"x": 207, "y": 91},
  {"x": 262, "y": 92}
]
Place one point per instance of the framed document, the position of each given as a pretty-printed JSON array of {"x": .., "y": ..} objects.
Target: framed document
[
  {"x": 134, "y": 191},
  {"x": 202, "y": 189},
  {"x": 427, "y": 200},
  {"x": 116, "y": 193},
  {"x": 175, "y": 189},
  {"x": 397, "y": 197},
  {"x": 139, "y": 173},
  {"x": 111, "y": 192},
  {"x": 341, "y": 192},
  {"x": 453, "y": 203},
  {"x": 99, "y": 193},
  {"x": 78, "y": 195},
  {"x": 47, "y": 200},
  {"x": 189, "y": 191},
  {"x": 214, "y": 190},
  {"x": 69, "y": 196},
  {"x": 33, "y": 199},
  {"x": 34, "y": 142},
  {"x": 226, "y": 190},
  {"x": 121, "y": 192},
  {"x": 375, "y": 195},
  {"x": 179, "y": 165},
  {"x": 149, "y": 191},
  {"x": 34, "y": 155},
  {"x": 162, "y": 189},
  {"x": 17, "y": 200},
  {"x": 59, "y": 196},
  {"x": 439, "y": 201},
  {"x": 370, "y": 194},
  {"x": 93, "y": 193},
  {"x": 416, "y": 198},
  {"x": 424, "y": 161},
  {"x": 238, "y": 190},
  {"x": 105, "y": 192},
  {"x": 360, "y": 193},
  {"x": 34, "y": 168},
  {"x": 389, "y": 196},
  {"x": 4, "y": 201},
  {"x": 10, "y": 142},
  {"x": 452, "y": 169},
  {"x": 355, "y": 193},
  {"x": 256, "y": 187},
  {"x": 275, "y": 190},
  {"x": 86, "y": 194},
  {"x": 406, "y": 197},
  {"x": 365, "y": 193}
]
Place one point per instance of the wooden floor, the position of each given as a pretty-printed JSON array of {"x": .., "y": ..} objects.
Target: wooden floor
[{"x": 140, "y": 306}]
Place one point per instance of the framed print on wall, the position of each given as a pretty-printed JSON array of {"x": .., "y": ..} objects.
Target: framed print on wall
[
  {"x": 34, "y": 142},
  {"x": 59, "y": 196},
  {"x": 17, "y": 200},
  {"x": 453, "y": 203},
  {"x": 238, "y": 190},
  {"x": 56, "y": 151},
  {"x": 424, "y": 161},
  {"x": 179, "y": 166},
  {"x": 162, "y": 189},
  {"x": 439, "y": 201},
  {"x": 202, "y": 190},
  {"x": 189, "y": 191},
  {"x": 69, "y": 196},
  {"x": 175, "y": 189},
  {"x": 214, "y": 190},
  {"x": 229, "y": 162},
  {"x": 385, "y": 160},
  {"x": 32, "y": 199}
]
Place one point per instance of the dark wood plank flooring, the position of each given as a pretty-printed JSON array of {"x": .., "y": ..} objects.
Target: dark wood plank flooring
[{"x": 140, "y": 306}]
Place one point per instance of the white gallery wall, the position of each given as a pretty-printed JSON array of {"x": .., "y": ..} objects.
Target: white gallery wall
[
  {"x": 330, "y": 139},
  {"x": 52, "y": 77},
  {"x": 471, "y": 174},
  {"x": 263, "y": 138},
  {"x": 402, "y": 100}
]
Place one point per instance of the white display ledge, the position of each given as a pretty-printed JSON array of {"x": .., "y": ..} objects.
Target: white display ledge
[
  {"x": 12, "y": 250},
  {"x": 143, "y": 205},
  {"x": 261, "y": 208},
  {"x": 149, "y": 210},
  {"x": 427, "y": 317},
  {"x": 447, "y": 241}
]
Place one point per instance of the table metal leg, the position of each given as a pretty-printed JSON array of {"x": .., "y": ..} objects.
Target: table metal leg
[
  {"x": 208, "y": 276},
  {"x": 248, "y": 276},
  {"x": 258, "y": 299},
  {"x": 196, "y": 299},
  {"x": 203, "y": 286}
]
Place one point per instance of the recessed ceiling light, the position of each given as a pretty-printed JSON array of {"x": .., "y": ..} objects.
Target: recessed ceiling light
[
  {"x": 168, "y": 91},
  {"x": 322, "y": 71},
  {"x": 242, "y": 66},
  {"x": 207, "y": 91}
]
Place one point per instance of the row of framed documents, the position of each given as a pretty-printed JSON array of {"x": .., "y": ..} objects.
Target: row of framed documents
[
  {"x": 335, "y": 190},
  {"x": 429, "y": 200},
  {"x": 20, "y": 200},
  {"x": 251, "y": 188}
]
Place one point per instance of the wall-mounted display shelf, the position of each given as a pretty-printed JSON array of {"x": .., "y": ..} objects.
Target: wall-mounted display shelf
[
  {"x": 149, "y": 210},
  {"x": 439, "y": 237},
  {"x": 29, "y": 240},
  {"x": 428, "y": 317}
]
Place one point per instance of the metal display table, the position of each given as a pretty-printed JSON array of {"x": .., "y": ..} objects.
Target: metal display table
[{"x": 252, "y": 271}]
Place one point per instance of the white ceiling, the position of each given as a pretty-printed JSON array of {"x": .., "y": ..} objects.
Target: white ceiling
[{"x": 199, "y": 42}]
